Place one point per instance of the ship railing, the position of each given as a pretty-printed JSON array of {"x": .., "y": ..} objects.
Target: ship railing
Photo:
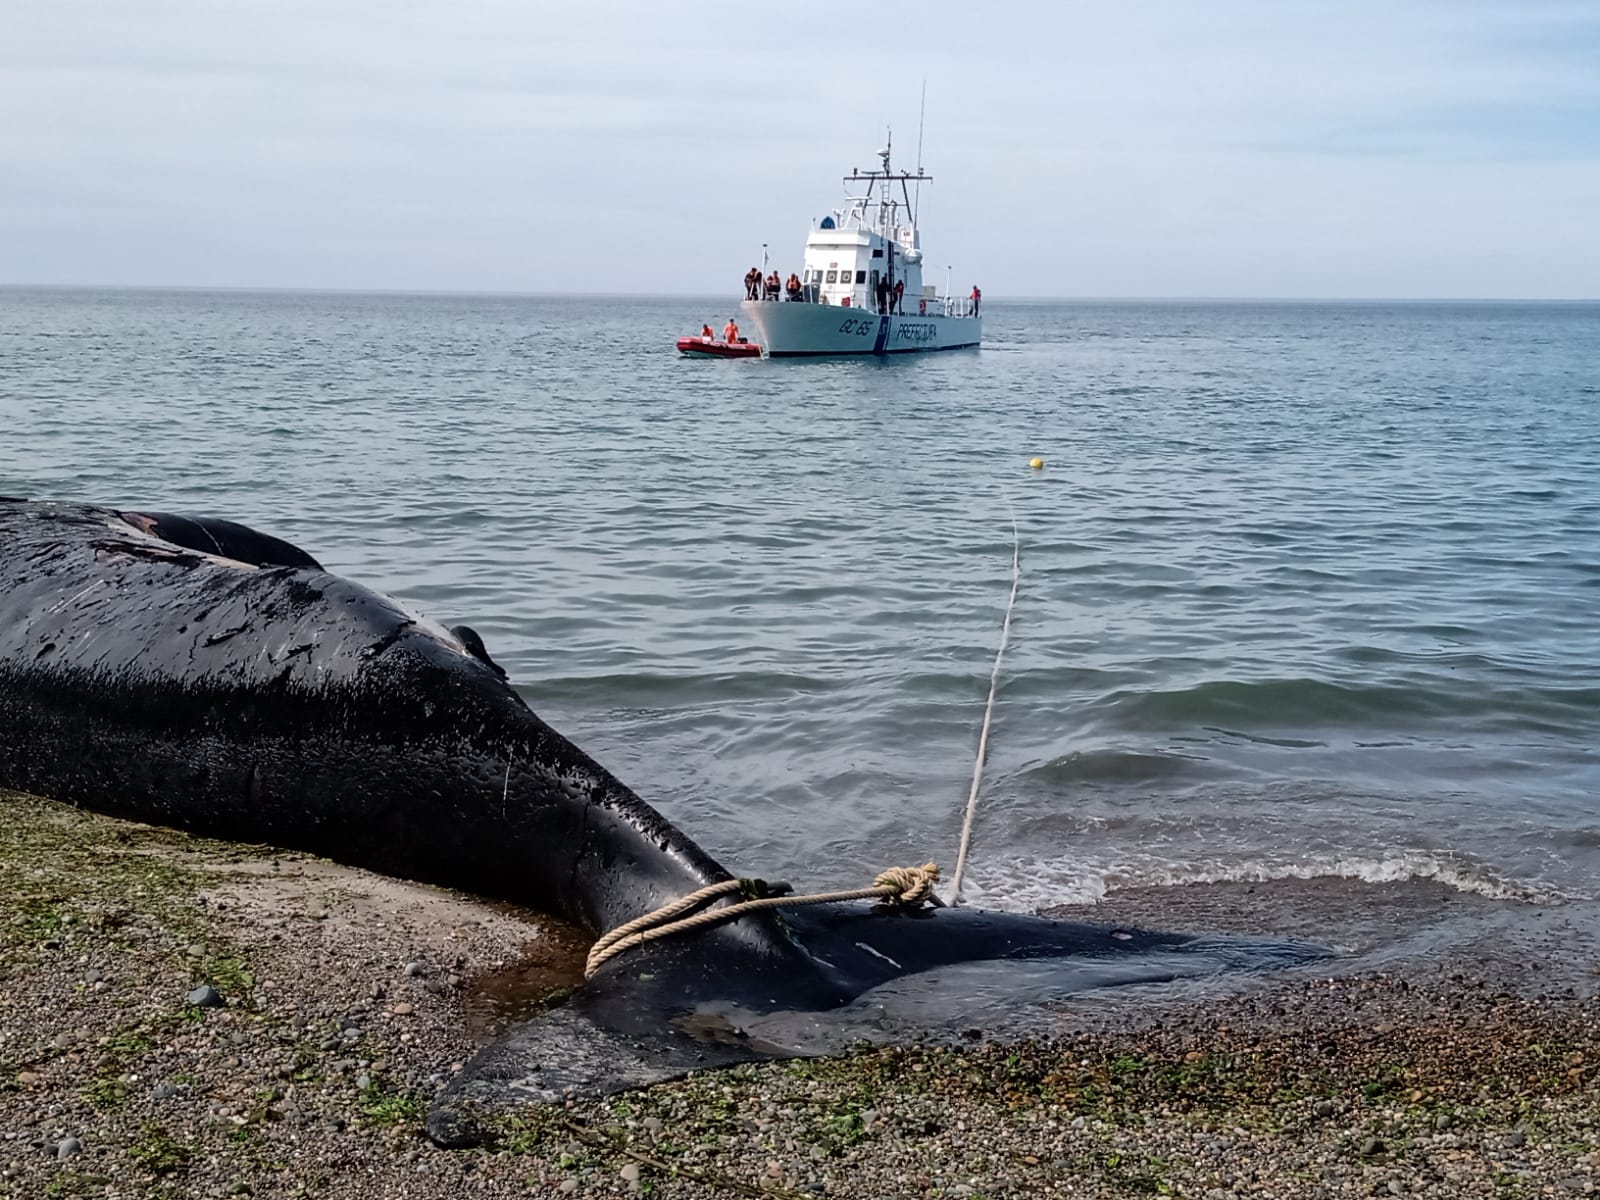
[
  {"x": 954, "y": 306},
  {"x": 932, "y": 306},
  {"x": 945, "y": 306}
]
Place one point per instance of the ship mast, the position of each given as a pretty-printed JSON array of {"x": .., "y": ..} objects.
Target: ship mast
[{"x": 922, "y": 111}]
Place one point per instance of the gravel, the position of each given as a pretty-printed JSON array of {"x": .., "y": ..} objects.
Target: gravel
[{"x": 1452, "y": 1077}]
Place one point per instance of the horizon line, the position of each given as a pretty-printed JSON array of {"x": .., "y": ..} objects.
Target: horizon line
[{"x": 1002, "y": 300}]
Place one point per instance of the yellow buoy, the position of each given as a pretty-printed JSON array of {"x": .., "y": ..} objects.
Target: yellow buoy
[{"x": 1036, "y": 463}]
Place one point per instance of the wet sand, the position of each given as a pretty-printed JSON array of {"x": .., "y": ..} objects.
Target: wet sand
[{"x": 1451, "y": 1049}]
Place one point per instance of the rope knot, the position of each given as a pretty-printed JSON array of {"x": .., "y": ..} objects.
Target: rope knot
[
  {"x": 911, "y": 885},
  {"x": 902, "y": 887}
]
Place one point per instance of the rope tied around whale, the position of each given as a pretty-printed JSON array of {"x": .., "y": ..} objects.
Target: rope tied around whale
[{"x": 901, "y": 887}]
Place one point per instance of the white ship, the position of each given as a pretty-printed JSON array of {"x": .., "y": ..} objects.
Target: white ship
[{"x": 861, "y": 289}]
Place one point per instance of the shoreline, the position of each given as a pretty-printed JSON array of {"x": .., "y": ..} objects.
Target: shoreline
[{"x": 349, "y": 998}]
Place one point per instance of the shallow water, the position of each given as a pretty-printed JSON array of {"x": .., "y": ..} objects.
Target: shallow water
[{"x": 1308, "y": 590}]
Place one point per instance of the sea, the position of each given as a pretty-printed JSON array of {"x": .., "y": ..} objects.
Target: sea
[{"x": 1307, "y": 591}]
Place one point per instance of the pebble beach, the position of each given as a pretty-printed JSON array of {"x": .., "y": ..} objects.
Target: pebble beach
[{"x": 182, "y": 1017}]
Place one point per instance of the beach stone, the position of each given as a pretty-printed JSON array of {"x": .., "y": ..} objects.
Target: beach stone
[
  {"x": 652, "y": 1124},
  {"x": 630, "y": 1172},
  {"x": 163, "y": 1091},
  {"x": 1442, "y": 1122},
  {"x": 414, "y": 969},
  {"x": 1370, "y": 1147},
  {"x": 68, "y": 1148},
  {"x": 1324, "y": 1108},
  {"x": 403, "y": 1009},
  {"x": 569, "y": 1184},
  {"x": 92, "y": 977},
  {"x": 205, "y": 996},
  {"x": 1515, "y": 1139}
]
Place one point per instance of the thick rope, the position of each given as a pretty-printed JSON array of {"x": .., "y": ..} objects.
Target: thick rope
[
  {"x": 988, "y": 713},
  {"x": 904, "y": 887}
]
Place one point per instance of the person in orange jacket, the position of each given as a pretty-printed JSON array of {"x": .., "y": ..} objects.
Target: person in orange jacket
[
  {"x": 705, "y": 332},
  {"x": 730, "y": 332}
]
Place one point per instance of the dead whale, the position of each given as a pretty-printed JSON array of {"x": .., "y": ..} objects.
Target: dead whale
[{"x": 194, "y": 673}]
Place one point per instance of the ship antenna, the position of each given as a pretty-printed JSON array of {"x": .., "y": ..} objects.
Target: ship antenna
[{"x": 922, "y": 110}]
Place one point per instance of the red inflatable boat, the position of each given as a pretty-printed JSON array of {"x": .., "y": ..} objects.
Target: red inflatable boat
[{"x": 716, "y": 348}]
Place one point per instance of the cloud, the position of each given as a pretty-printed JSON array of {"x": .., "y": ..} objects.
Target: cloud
[{"x": 1229, "y": 148}]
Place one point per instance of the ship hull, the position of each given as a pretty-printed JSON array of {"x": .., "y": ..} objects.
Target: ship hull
[{"x": 788, "y": 330}]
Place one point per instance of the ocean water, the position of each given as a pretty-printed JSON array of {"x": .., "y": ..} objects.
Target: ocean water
[{"x": 1308, "y": 590}]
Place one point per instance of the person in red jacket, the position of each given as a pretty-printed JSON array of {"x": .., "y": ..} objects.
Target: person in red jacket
[{"x": 977, "y": 296}]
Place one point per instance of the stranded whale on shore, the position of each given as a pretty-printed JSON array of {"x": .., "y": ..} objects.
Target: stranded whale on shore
[{"x": 195, "y": 673}]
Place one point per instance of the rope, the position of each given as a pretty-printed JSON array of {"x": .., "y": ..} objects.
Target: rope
[
  {"x": 903, "y": 887},
  {"x": 988, "y": 713}
]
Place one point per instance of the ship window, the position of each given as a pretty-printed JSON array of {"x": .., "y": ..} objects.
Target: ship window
[
  {"x": 861, "y": 276},
  {"x": 878, "y": 253},
  {"x": 833, "y": 276}
]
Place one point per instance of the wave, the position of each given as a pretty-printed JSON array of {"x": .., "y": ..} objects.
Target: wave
[
  {"x": 1309, "y": 703},
  {"x": 1024, "y": 886},
  {"x": 1116, "y": 766}
]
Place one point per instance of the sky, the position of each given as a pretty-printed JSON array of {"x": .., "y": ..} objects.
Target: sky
[{"x": 1128, "y": 148}]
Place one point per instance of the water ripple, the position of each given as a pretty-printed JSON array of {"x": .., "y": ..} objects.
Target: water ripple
[{"x": 1307, "y": 588}]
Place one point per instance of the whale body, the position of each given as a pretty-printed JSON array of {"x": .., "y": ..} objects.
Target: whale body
[{"x": 191, "y": 672}]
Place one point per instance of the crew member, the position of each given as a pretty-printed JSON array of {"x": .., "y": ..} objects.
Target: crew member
[
  {"x": 899, "y": 293},
  {"x": 730, "y": 331},
  {"x": 752, "y": 284},
  {"x": 793, "y": 287},
  {"x": 976, "y": 297},
  {"x": 705, "y": 332},
  {"x": 774, "y": 285}
]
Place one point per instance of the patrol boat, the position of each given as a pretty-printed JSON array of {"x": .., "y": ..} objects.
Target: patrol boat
[{"x": 868, "y": 244}]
